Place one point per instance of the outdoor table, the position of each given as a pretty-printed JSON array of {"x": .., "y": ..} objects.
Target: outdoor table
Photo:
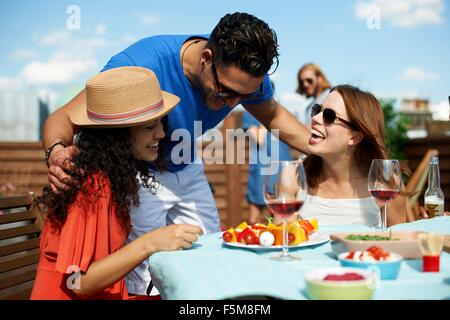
[{"x": 213, "y": 271}]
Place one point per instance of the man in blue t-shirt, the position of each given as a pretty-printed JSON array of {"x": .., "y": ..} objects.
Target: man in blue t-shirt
[{"x": 211, "y": 74}]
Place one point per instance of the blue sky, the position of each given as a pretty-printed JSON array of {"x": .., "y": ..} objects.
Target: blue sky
[{"x": 408, "y": 56}]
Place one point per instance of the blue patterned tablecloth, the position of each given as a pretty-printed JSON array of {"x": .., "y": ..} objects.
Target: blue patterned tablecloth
[{"x": 212, "y": 271}]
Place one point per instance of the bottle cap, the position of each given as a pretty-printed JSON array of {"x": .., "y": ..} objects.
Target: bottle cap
[
  {"x": 434, "y": 160},
  {"x": 431, "y": 263}
]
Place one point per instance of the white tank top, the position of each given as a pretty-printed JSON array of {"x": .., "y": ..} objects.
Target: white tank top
[{"x": 341, "y": 211}]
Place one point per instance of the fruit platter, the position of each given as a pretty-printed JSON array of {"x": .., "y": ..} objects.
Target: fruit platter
[{"x": 269, "y": 236}]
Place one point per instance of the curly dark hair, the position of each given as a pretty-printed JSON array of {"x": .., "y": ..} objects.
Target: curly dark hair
[
  {"x": 107, "y": 152},
  {"x": 242, "y": 40}
]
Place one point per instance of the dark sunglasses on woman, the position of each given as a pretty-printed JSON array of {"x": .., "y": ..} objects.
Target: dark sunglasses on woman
[{"x": 329, "y": 115}]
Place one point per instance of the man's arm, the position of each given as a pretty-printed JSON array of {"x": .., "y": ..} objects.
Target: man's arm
[
  {"x": 274, "y": 116},
  {"x": 58, "y": 125}
]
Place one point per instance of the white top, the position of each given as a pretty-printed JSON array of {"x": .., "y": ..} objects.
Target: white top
[{"x": 341, "y": 211}]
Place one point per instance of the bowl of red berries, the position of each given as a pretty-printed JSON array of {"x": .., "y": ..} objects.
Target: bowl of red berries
[{"x": 340, "y": 284}]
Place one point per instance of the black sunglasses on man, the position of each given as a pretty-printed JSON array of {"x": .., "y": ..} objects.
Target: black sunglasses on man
[{"x": 224, "y": 93}]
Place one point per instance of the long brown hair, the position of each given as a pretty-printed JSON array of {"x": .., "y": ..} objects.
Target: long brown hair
[
  {"x": 366, "y": 114},
  {"x": 318, "y": 72}
]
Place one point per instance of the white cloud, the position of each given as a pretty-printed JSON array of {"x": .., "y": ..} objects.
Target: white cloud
[
  {"x": 53, "y": 38},
  {"x": 404, "y": 13},
  {"x": 417, "y": 74},
  {"x": 61, "y": 68},
  {"x": 67, "y": 40},
  {"x": 440, "y": 110},
  {"x": 100, "y": 29},
  {"x": 73, "y": 57},
  {"x": 148, "y": 19},
  {"x": 24, "y": 54}
]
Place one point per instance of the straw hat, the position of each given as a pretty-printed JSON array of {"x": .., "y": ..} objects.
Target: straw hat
[{"x": 123, "y": 97}]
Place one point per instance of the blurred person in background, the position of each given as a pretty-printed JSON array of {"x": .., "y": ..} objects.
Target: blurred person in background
[{"x": 312, "y": 83}]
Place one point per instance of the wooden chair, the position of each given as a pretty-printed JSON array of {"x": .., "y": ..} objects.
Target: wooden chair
[{"x": 20, "y": 230}]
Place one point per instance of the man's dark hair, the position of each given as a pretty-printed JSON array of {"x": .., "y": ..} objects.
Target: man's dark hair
[{"x": 242, "y": 40}]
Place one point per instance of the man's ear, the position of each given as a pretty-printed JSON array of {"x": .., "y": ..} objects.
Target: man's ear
[
  {"x": 206, "y": 56},
  {"x": 356, "y": 138}
]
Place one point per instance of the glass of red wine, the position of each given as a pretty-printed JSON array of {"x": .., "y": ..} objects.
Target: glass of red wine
[
  {"x": 285, "y": 191},
  {"x": 384, "y": 184}
]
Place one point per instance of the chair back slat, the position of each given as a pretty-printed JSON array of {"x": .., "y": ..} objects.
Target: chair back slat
[
  {"x": 18, "y": 201},
  {"x": 19, "y": 216},
  {"x": 19, "y": 231},
  {"x": 18, "y": 279},
  {"x": 20, "y": 228},
  {"x": 19, "y": 246},
  {"x": 18, "y": 260},
  {"x": 20, "y": 292}
]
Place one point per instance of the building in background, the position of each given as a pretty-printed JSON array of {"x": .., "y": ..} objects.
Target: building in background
[
  {"x": 418, "y": 110},
  {"x": 22, "y": 115},
  {"x": 422, "y": 123}
]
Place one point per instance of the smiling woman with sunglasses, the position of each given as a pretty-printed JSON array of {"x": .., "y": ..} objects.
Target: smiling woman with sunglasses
[{"x": 347, "y": 133}]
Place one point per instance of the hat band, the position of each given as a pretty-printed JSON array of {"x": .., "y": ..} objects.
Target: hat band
[{"x": 126, "y": 116}]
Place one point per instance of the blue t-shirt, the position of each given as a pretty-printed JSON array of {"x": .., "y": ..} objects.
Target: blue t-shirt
[{"x": 162, "y": 55}]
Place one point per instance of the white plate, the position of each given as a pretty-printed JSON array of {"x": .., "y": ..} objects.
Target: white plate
[{"x": 314, "y": 239}]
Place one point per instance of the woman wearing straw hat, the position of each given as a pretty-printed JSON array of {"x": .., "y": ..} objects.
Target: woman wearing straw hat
[
  {"x": 83, "y": 251},
  {"x": 211, "y": 74}
]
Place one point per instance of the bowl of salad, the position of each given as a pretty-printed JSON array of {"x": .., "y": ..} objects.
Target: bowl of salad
[
  {"x": 404, "y": 243},
  {"x": 340, "y": 284},
  {"x": 375, "y": 259}
]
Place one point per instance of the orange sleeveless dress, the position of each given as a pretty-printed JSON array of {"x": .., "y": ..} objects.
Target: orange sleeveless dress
[{"x": 90, "y": 233}]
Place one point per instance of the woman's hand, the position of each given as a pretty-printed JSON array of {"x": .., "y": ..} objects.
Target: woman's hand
[
  {"x": 424, "y": 215},
  {"x": 110, "y": 269},
  {"x": 58, "y": 161},
  {"x": 172, "y": 237}
]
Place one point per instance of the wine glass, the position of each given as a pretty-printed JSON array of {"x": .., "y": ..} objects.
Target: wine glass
[
  {"x": 284, "y": 194},
  {"x": 384, "y": 184}
]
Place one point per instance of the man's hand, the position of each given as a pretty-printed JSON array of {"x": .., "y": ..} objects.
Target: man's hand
[
  {"x": 58, "y": 161},
  {"x": 424, "y": 215}
]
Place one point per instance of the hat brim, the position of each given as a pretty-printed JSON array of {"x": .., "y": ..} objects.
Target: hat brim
[{"x": 79, "y": 117}]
